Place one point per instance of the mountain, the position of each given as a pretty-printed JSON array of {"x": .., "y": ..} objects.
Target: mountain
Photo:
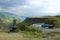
[
  {"x": 12, "y": 15},
  {"x": 6, "y": 19}
]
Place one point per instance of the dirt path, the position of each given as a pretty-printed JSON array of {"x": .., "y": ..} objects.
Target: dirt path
[
  {"x": 14, "y": 36},
  {"x": 18, "y": 36},
  {"x": 50, "y": 30}
]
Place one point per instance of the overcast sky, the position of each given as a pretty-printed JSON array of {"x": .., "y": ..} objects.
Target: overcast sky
[{"x": 31, "y": 7}]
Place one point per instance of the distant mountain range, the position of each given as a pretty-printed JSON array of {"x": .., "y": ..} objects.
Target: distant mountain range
[{"x": 12, "y": 15}]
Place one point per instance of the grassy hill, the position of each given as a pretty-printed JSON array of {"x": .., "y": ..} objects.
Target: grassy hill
[
  {"x": 6, "y": 19},
  {"x": 53, "y": 20}
]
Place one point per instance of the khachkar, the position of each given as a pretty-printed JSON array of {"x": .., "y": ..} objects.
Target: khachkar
[
  {"x": 14, "y": 23},
  {"x": 14, "y": 28}
]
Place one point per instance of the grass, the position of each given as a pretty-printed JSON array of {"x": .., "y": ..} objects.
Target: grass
[
  {"x": 30, "y": 34},
  {"x": 15, "y": 36},
  {"x": 24, "y": 35}
]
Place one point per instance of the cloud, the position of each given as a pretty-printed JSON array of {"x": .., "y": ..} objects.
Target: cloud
[
  {"x": 31, "y": 7},
  {"x": 11, "y": 3},
  {"x": 53, "y": 7},
  {"x": 19, "y": 10},
  {"x": 4, "y": 1}
]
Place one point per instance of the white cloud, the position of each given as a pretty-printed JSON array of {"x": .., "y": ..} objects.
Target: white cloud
[
  {"x": 40, "y": 7},
  {"x": 48, "y": 6},
  {"x": 1, "y": 9},
  {"x": 35, "y": 3},
  {"x": 19, "y": 10},
  {"x": 53, "y": 7}
]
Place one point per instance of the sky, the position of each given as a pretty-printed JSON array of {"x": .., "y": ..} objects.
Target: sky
[{"x": 31, "y": 7}]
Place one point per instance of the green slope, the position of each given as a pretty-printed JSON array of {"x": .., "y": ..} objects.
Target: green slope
[{"x": 6, "y": 20}]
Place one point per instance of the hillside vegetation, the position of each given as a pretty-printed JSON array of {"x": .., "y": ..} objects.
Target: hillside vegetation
[
  {"x": 56, "y": 20},
  {"x": 6, "y": 20},
  {"x": 53, "y": 20}
]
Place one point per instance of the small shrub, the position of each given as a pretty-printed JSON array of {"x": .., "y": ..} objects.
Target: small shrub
[
  {"x": 34, "y": 30},
  {"x": 22, "y": 26},
  {"x": 30, "y": 31}
]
